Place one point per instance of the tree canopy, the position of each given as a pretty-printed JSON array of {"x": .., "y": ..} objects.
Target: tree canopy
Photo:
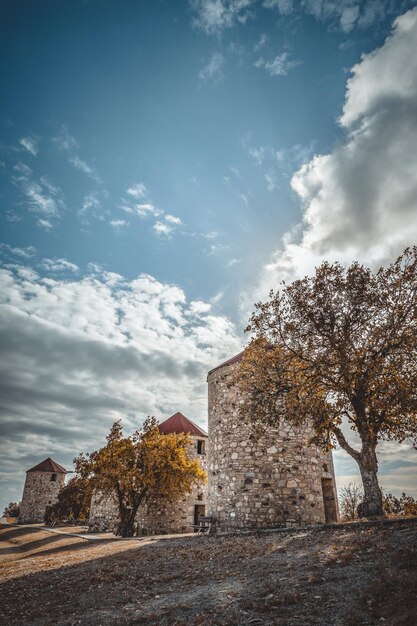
[
  {"x": 12, "y": 510},
  {"x": 339, "y": 347},
  {"x": 73, "y": 501},
  {"x": 144, "y": 467}
]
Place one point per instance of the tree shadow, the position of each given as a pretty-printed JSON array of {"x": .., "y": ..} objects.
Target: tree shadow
[
  {"x": 311, "y": 578},
  {"x": 50, "y": 538},
  {"x": 72, "y": 547},
  {"x": 31, "y": 545},
  {"x": 9, "y": 532}
]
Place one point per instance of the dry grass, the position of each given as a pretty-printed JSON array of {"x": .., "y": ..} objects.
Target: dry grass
[{"x": 344, "y": 576}]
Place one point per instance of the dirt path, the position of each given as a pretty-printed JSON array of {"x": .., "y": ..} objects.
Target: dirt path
[{"x": 329, "y": 576}]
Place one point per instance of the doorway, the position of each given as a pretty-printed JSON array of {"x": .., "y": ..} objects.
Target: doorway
[
  {"x": 199, "y": 510},
  {"x": 330, "y": 506}
]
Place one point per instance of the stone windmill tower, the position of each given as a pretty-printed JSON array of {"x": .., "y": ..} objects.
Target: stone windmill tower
[
  {"x": 278, "y": 480},
  {"x": 42, "y": 485}
]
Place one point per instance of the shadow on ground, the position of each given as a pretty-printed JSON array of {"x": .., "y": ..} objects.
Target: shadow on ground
[{"x": 342, "y": 576}]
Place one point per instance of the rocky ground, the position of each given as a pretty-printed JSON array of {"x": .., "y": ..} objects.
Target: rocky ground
[{"x": 348, "y": 575}]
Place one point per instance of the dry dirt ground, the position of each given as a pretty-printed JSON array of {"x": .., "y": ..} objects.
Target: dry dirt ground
[{"x": 348, "y": 575}]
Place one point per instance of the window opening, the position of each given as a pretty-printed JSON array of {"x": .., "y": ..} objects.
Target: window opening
[{"x": 201, "y": 446}]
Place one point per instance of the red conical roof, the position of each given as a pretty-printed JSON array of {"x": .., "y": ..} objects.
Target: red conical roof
[
  {"x": 178, "y": 423},
  {"x": 48, "y": 465}
]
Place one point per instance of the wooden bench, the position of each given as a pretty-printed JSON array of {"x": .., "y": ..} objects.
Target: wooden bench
[{"x": 204, "y": 525}]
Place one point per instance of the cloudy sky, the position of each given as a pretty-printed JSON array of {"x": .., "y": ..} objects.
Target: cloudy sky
[{"x": 163, "y": 165}]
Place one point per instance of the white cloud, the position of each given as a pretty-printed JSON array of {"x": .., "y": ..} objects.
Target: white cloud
[
  {"x": 25, "y": 253},
  {"x": 137, "y": 191},
  {"x": 12, "y": 216},
  {"x": 349, "y": 18},
  {"x": 43, "y": 198},
  {"x": 218, "y": 248},
  {"x": 59, "y": 265},
  {"x": 211, "y": 235},
  {"x": 213, "y": 69},
  {"x": 46, "y": 224},
  {"x": 91, "y": 206},
  {"x": 64, "y": 141},
  {"x": 118, "y": 223},
  {"x": 86, "y": 169},
  {"x": 285, "y": 7},
  {"x": 76, "y": 354},
  {"x": 30, "y": 144},
  {"x": 213, "y": 16},
  {"x": 197, "y": 307},
  {"x": 263, "y": 40},
  {"x": 146, "y": 209},
  {"x": 360, "y": 200},
  {"x": 163, "y": 229},
  {"x": 143, "y": 210},
  {"x": 345, "y": 14},
  {"x": 271, "y": 182},
  {"x": 218, "y": 297},
  {"x": 279, "y": 66},
  {"x": 258, "y": 154},
  {"x": 397, "y": 467},
  {"x": 172, "y": 219}
]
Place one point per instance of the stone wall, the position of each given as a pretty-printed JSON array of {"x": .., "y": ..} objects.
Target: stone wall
[
  {"x": 39, "y": 492},
  {"x": 158, "y": 517},
  {"x": 273, "y": 482},
  {"x": 103, "y": 513},
  {"x": 178, "y": 516}
]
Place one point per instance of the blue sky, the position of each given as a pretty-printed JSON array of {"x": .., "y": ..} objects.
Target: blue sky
[{"x": 163, "y": 164}]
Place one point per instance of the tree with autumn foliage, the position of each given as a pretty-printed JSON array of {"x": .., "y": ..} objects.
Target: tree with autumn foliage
[
  {"x": 73, "y": 502},
  {"x": 339, "y": 347},
  {"x": 145, "y": 467},
  {"x": 12, "y": 510}
]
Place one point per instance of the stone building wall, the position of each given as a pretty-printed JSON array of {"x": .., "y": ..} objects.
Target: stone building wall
[
  {"x": 39, "y": 492},
  {"x": 158, "y": 517},
  {"x": 177, "y": 516},
  {"x": 103, "y": 513},
  {"x": 277, "y": 481}
]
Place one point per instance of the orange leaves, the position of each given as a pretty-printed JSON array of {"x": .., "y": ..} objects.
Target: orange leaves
[
  {"x": 341, "y": 343},
  {"x": 146, "y": 466}
]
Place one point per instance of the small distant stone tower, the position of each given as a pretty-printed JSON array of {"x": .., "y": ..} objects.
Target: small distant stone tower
[
  {"x": 278, "y": 480},
  {"x": 42, "y": 485}
]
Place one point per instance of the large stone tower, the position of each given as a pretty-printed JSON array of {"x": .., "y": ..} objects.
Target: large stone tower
[
  {"x": 42, "y": 485},
  {"x": 279, "y": 480}
]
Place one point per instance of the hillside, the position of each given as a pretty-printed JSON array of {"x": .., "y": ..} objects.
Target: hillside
[{"x": 347, "y": 575}]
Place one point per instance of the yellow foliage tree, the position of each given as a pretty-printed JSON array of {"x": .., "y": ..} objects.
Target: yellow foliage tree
[
  {"x": 339, "y": 346},
  {"x": 146, "y": 466}
]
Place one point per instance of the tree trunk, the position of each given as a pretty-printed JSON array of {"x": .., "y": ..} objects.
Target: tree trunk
[
  {"x": 371, "y": 506},
  {"x": 126, "y": 526}
]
